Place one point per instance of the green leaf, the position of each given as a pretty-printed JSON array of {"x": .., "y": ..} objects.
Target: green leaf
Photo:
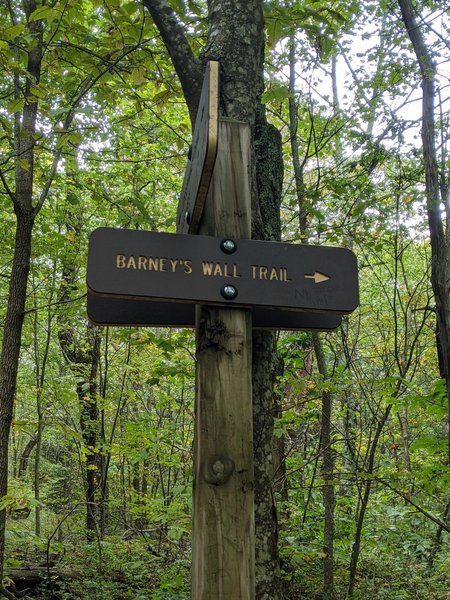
[
  {"x": 11, "y": 33},
  {"x": 15, "y": 106},
  {"x": 44, "y": 13},
  {"x": 161, "y": 95},
  {"x": 276, "y": 92},
  {"x": 23, "y": 164},
  {"x": 275, "y": 31},
  {"x": 38, "y": 90}
]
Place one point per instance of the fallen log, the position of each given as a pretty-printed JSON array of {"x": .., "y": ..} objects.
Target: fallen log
[{"x": 34, "y": 575}]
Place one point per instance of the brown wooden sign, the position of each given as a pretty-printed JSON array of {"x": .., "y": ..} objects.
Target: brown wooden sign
[
  {"x": 202, "y": 155},
  {"x": 203, "y": 269},
  {"x": 130, "y": 312}
]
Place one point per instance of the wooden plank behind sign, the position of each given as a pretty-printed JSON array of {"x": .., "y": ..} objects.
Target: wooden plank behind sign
[
  {"x": 194, "y": 269},
  {"x": 152, "y": 313},
  {"x": 203, "y": 154}
]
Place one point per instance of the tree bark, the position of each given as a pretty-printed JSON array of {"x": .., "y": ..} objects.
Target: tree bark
[
  {"x": 22, "y": 199},
  {"x": 265, "y": 368},
  {"x": 327, "y": 471},
  {"x": 268, "y": 581},
  {"x": 435, "y": 182},
  {"x": 326, "y": 448},
  {"x": 437, "y": 187},
  {"x": 9, "y": 358},
  {"x": 82, "y": 353},
  {"x": 437, "y": 540},
  {"x": 83, "y": 357},
  {"x": 188, "y": 68},
  {"x": 37, "y": 463},
  {"x": 40, "y": 370},
  {"x": 25, "y": 457},
  {"x": 356, "y": 548}
]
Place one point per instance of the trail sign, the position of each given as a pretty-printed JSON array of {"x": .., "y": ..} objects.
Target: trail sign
[
  {"x": 130, "y": 312},
  {"x": 202, "y": 154},
  {"x": 204, "y": 269}
]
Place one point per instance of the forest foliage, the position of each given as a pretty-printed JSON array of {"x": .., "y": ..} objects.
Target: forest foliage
[{"x": 100, "y": 449}]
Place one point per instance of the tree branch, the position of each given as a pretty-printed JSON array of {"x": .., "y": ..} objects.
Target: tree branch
[
  {"x": 83, "y": 89},
  {"x": 7, "y": 188},
  {"x": 6, "y": 594},
  {"x": 422, "y": 511},
  {"x": 188, "y": 68}
]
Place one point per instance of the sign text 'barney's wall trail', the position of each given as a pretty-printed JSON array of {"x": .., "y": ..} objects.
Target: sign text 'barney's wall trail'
[{"x": 204, "y": 269}]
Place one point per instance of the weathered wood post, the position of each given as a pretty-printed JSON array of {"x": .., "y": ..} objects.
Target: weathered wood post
[{"x": 223, "y": 502}]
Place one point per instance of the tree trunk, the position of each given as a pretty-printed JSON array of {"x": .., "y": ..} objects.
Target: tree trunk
[
  {"x": 265, "y": 368},
  {"x": 268, "y": 581},
  {"x": 404, "y": 428},
  {"x": 25, "y": 457},
  {"x": 83, "y": 356},
  {"x": 89, "y": 430},
  {"x": 297, "y": 164},
  {"x": 356, "y": 548},
  {"x": 437, "y": 186},
  {"x": 326, "y": 448},
  {"x": 22, "y": 198},
  {"x": 37, "y": 464},
  {"x": 437, "y": 540},
  {"x": 9, "y": 358},
  {"x": 327, "y": 471},
  {"x": 435, "y": 183},
  {"x": 40, "y": 369}
]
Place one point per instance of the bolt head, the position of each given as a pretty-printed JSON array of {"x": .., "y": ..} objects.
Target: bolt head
[
  {"x": 228, "y": 246},
  {"x": 229, "y": 292}
]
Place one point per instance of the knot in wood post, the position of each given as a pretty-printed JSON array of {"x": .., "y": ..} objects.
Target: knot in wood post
[{"x": 218, "y": 470}]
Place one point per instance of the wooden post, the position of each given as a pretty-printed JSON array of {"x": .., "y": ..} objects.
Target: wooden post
[{"x": 223, "y": 503}]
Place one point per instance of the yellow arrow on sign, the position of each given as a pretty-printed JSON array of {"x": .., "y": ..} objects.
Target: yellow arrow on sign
[{"x": 318, "y": 277}]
